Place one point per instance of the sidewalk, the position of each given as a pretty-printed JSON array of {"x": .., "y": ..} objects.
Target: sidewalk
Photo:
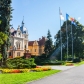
[
  {"x": 61, "y": 67},
  {"x": 70, "y": 76}
]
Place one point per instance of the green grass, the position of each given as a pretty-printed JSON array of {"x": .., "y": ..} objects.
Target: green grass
[
  {"x": 75, "y": 64},
  {"x": 22, "y": 78},
  {"x": 78, "y": 64}
]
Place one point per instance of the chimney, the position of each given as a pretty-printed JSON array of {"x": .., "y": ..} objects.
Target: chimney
[{"x": 39, "y": 39}]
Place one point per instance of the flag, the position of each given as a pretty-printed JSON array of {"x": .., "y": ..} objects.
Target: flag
[
  {"x": 61, "y": 15},
  {"x": 73, "y": 22},
  {"x": 70, "y": 19},
  {"x": 67, "y": 17}
]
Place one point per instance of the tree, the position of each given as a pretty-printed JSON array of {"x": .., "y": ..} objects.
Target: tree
[
  {"x": 78, "y": 46},
  {"x": 48, "y": 44},
  {"x": 5, "y": 17},
  {"x": 3, "y": 38}
]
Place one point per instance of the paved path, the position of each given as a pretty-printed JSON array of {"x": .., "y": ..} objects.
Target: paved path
[
  {"x": 71, "y": 76},
  {"x": 61, "y": 67}
]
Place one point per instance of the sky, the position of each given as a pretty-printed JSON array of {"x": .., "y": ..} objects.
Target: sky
[{"x": 41, "y": 15}]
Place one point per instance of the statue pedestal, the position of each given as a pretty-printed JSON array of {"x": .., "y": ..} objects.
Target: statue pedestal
[{"x": 27, "y": 55}]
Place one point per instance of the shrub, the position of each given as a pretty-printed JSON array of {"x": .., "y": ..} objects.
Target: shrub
[
  {"x": 53, "y": 63},
  {"x": 39, "y": 68},
  {"x": 15, "y": 71},
  {"x": 76, "y": 60},
  {"x": 24, "y": 70},
  {"x": 20, "y": 63},
  {"x": 69, "y": 64}
]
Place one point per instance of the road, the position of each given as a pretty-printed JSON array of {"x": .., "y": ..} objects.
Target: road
[{"x": 74, "y": 75}]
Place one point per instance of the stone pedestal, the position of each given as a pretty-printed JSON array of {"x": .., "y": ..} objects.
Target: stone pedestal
[{"x": 27, "y": 55}]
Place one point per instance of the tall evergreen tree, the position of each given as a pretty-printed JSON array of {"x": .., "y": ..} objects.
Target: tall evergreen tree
[
  {"x": 48, "y": 44},
  {"x": 5, "y": 17}
]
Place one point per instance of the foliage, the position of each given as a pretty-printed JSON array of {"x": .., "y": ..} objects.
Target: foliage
[
  {"x": 76, "y": 60},
  {"x": 45, "y": 61},
  {"x": 20, "y": 63},
  {"x": 79, "y": 63},
  {"x": 49, "y": 62},
  {"x": 43, "y": 68},
  {"x": 14, "y": 70},
  {"x": 40, "y": 59},
  {"x": 5, "y": 17},
  {"x": 77, "y": 33},
  {"x": 48, "y": 44},
  {"x": 3, "y": 38},
  {"x": 69, "y": 64},
  {"x": 24, "y": 77},
  {"x": 37, "y": 69},
  {"x": 0, "y": 56}
]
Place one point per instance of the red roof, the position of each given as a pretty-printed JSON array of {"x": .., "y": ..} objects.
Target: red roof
[
  {"x": 30, "y": 43},
  {"x": 40, "y": 42}
]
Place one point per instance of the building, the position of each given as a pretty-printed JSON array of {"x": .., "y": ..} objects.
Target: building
[
  {"x": 19, "y": 41},
  {"x": 37, "y": 47}
]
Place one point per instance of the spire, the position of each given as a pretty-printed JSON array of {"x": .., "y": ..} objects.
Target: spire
[
  {"x": 23, "y": 21},
  {"x": 22, "y": 25}
]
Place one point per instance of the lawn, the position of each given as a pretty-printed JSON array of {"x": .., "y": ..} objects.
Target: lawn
[
  {"x": 22, "y": 78},
  {"x": 78, "y": 64}
]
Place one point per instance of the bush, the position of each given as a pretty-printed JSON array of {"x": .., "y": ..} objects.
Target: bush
[
  {"x": 69, "y": 64},
  {"x": 69, "y": 59},
  {"x": 20, "y": 63},
  {"x": 14, "y": 70},
  {"x": 76, "y": 60},
  {"x": 53, "y": 63}
]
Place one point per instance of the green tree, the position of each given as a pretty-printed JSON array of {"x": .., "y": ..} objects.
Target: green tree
[
  {"x": 48, "y": 44},
  {"x": 78, "y": 40},
  {"x": 3, "y": 38},
  {"x": 78, "y": 46},
  {"x": 5, "y": 17}
]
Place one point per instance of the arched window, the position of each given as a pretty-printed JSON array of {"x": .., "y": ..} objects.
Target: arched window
[{"x": 18, "y": 45}]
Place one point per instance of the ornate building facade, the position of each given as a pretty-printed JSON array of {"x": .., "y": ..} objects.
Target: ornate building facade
[{"x": 19, "y": 41}]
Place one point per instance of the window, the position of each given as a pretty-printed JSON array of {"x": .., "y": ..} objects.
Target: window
[
  {"x": 19, "y": 34},
  {"x": 18, "y": 53},
  {"x": 25, "y": 46},
  {"x": 10, "y": 54},
  {"x": 18, "y": 45},
  {"x": 35, "y": 50}
]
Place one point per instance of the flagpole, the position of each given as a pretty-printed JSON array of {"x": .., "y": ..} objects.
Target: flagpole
[
  {"x": 60, "y": 35},
  {"x": 67, "y": 39},
  {"x": 72, "y": 41}
]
